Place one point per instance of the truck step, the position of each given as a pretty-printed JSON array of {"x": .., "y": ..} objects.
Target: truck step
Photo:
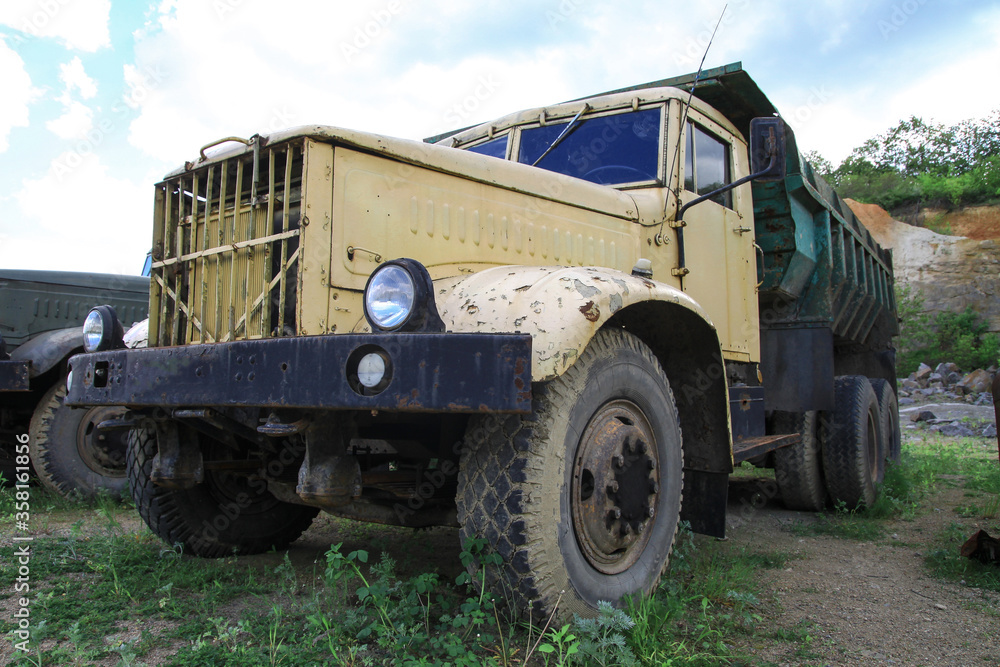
[{"x": 748, "y": 448}]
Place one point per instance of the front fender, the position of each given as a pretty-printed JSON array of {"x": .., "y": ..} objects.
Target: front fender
[
  {"x": 561, "y": 307},
  {"x": 48, "y": 349}
]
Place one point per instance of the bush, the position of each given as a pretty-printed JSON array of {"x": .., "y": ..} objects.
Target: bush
[{"x": 961, "y": 338}]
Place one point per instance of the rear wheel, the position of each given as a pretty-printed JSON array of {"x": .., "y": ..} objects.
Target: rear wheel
[
  {"x": 226, "y": 513},
  {"x": 798, "y": 469},
  {"x": 71, "y": 455},
  {"x": 853, "y": 450},
  {"x": 888, "y": 407},
  {"x": 581, "y": 499}
]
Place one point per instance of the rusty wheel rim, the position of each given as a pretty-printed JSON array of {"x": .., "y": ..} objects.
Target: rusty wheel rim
[
  {"x": 614, "y": 489},
  {"x": 102, "y": 451}
]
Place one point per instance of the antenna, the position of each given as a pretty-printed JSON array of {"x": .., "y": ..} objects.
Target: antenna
[{"x": 680, "y": 135}]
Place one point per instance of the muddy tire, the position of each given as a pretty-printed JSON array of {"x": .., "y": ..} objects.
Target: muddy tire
[
  {"x": 70, "y": 455},
  {"x": 553, "y": 492},
  {"x": 888, "y": 407},
  {"x": 223, "y": 515},
  {"x": 798, "y": 469},
  {"x": 853, "y": 450}
]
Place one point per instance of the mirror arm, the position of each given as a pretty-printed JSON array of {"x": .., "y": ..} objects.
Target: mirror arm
[
  {"x": 730, "y": 186},
  {"x": 681, "y": 269}
]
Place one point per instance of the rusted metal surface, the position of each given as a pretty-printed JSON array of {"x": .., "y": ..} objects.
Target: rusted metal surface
[
  {"x": 178, "y": 463},
  {"x": 983, "y": 548},
  {"x": 748, "y": 448},
  {"x": 14, "y": 375},
  {"x": 430, "y": 372},
  {"x": 614, "y": 488},
  {"x": 562, "y": 307}
]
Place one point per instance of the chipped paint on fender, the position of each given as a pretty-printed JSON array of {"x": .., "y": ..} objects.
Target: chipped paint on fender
[{"x": 561, "y": 307}]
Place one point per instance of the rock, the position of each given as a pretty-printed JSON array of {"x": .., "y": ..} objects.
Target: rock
[
  {"x": 910, "y": 384},
  {"x": 985, "y": 398},
  {"x": 906, "y": 400},
  {"x": 935, "y": 377},
  {"x": 954, "y": 429},
  {"x": 953, "y": 378},
  {"x": 922, "y": 416},
  {"x": 945, "y": 368},
  {"x": 927, "y": 392},
  {"x": 976, "y": 382},
  {"x": 922, "y": 372},
  {"x": 990, "y": 431},
  {"x": 937, "y": 385}
]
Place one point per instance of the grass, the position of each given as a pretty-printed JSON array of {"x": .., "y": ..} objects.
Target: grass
[{"x": 103, "y": 592}]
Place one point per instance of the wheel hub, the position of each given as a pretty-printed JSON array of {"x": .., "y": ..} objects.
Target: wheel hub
[
  {"x": 101, "y": 450},
  {"x": 615, "y": 491}
]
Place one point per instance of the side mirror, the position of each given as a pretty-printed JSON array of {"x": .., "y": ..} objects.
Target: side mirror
[{"x": 767, "y": 149}]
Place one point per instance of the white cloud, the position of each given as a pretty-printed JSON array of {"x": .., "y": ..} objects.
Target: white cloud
[
  {"x": 841, "y": 119},
  {"x": 18, "y": 93},
  {"x": 77, "y": 118},
  {"x": 74, "y": 76},
  {"x": 958, "y": 90},
  {"x": 99, "y": 222},
  {"x": 78, "y": 24},
  {"x": 235, "y": 67},
  {"x": 76, "y": 121}
]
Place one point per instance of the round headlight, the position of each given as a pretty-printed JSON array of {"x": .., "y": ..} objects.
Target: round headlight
[
  {"x": 93, "y": 331},
  {"x": 371, "y": 369},
  {"x": 390, "y": 297},
  {"x": 102, "y": 330}
]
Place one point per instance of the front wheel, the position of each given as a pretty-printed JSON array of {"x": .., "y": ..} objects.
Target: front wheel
[
  {"x": 225, "y": 514},
  {"x": 71, "y": 455},
  {"x": 581, "y": 499}
]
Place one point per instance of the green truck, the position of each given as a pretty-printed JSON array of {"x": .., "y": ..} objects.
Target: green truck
[
  {"x": 41, "y": 313},
  {"x": 558, "y": 331}
]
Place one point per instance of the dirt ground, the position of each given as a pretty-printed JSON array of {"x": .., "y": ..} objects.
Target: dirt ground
[{"x": 868, "y": 603}]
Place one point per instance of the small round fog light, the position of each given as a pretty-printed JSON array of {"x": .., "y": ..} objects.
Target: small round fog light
[{"x": 371, "y": 370}]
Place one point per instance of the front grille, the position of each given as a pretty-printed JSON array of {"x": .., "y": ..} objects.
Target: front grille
[{"x": 226, "y": 249}]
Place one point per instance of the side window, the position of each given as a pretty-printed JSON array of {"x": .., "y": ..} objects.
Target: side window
[
  {"x": 707, "y": 165},
  {"x": 609, "y": 150},
  {"x": 494, "y": 147}
]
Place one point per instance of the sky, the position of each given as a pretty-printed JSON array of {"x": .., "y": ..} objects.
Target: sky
[{"x": 102, "y": 98}]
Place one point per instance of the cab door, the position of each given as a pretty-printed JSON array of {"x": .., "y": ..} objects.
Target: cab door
[{"x": 719, "y": 234}]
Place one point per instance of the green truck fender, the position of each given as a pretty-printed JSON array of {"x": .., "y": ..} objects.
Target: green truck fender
[
  {"x": 47, "y": 350},
  {"x": 564, "y": 307}
]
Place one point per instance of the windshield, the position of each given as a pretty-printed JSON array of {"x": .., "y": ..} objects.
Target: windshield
[
  {"x": 494, "y": 148},
  {"x": 610, "y": 150}
]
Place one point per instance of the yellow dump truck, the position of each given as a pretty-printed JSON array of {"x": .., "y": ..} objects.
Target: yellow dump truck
[{"x": 558, "y": 331}]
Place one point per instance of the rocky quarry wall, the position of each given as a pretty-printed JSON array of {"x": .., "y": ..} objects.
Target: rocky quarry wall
[{"x": 950, "y": 272}]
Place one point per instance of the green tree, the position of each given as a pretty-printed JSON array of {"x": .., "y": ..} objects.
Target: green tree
[{"x": 916, "y": 162}]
